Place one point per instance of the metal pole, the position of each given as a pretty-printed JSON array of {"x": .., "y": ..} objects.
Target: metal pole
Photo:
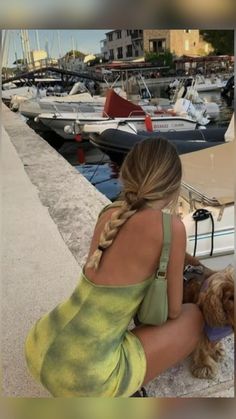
[
  {"x": 27, "y": 42},
  {"x": 4, "y": 35},
  {"x": 14, "y": 47},
  {"x": 59, "y": 43},
  {"x": 37, "y": 39},
  {"x": 23, "y": 45}
]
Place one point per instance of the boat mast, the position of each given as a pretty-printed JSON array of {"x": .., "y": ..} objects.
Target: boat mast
[
  {"x": 59, "y": 43},
  {"x": 37, "y": 39},
  {"x": 25, "y": 46},
  {"x": 3, "y": 46},
  {"x": 15, "y": 52},
  {"x": 73, "y": 46},
  {"x": 3, "y": 52},
  {"x": 27, "y": 43}
]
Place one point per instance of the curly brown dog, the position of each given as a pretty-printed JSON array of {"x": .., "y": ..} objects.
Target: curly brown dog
[{"x": 213, "y": 292}]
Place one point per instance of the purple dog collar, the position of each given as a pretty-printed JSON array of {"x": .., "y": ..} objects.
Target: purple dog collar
[{"x": 217, "y": 333}]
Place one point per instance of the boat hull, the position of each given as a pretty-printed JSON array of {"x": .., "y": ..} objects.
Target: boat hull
[
  {"x": 223, "y": 239},
  {"x": 116, "y": 144},
  {"x": 162, "y": 124}
]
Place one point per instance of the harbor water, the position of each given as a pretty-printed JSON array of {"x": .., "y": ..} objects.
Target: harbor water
[{"x": 97, "y": 168}]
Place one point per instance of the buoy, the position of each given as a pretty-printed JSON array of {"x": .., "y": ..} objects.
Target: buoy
[
  {"x": 78, "y": 138},
  {"x": 80, "y": 155},
  {"x": 148, "y": 123}
]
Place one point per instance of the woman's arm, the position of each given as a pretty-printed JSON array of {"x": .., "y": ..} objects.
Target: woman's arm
[{"x": 176, "y": 268}]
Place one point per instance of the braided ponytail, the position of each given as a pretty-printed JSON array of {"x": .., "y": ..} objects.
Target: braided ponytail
[{"x": 111, "y": 228}]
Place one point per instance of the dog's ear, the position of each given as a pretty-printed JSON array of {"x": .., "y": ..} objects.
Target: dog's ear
[
  {"x": 191, "y": 260},
  {"x": 228, "y": 297},
  {"x": 217, "y": 301},
  {"x": 230, "y": 271}
]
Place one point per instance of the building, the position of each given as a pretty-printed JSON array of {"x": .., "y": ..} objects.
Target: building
[
  {"x": 126, "y": 44},
  {"x": 122, "y": 45}
]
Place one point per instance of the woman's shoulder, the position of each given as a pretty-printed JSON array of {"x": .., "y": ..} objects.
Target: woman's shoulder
[{"x": 177, "y": 225}]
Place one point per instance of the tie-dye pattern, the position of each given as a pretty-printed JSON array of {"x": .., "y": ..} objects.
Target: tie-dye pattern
[{"x": 83, "y": 348}]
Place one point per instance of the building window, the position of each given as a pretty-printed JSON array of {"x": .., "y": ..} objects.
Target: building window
[
  {"x": 194, "y": 44},
  {"x": 129, "y": 51},
  {"x": 111, "y": 54},
  {"x": 118, "y": 35},
  {"x": 186, "y": 45},
  {"x": 110, "y": 37},
  {"x": 119, "y": 52},
  {"x": 136, "y": 53},
  {"x": 128, "y": 32},
  {"x": 157, "y": 45}
]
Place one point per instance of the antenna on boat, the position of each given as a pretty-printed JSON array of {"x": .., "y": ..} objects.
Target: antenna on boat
[{"x": 145, "y": 85}]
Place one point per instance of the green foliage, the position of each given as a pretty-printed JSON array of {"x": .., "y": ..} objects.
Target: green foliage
[
  {"x": 94, "y": 62},
  {"x": 160, "y": 58},
  {"x": 75, "y": 53},
  {"x": 20, "y": 61},
  {"x": 221, "y": 41}
]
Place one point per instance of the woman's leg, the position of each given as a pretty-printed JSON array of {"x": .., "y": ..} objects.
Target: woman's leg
[{"x": 170, "y": 343}]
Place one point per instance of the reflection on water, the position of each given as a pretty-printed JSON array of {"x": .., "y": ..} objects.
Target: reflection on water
[{"x": 104, "y": 177}]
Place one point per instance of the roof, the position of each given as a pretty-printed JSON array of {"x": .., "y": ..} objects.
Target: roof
[
  {"x": 188, "y": 58},
  {"x": 208, "y": 174}
]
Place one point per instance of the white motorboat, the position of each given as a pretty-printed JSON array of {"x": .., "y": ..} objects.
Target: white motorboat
[
  {"x": 119, "y": 111},
  {"x": 201, "y": 83},
  {"x": 27, "y": 91},
  {"x": 208, "y": 84},
  {"x": 12, "y": 91},
  {"x": 83, "y": 102},
  {"x": 17, "y": 100},
  {"x": 79, "y": 99},
  {"x": 206, "y": 204},
  {"x": 189, "y": 92},
  {"x": 32, "y": 106}
]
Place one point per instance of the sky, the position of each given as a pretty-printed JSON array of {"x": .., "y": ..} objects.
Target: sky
[{"x": 87, "y": 41}]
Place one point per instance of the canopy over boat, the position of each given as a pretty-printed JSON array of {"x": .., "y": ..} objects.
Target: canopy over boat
[{"x": 207, "y": 175}]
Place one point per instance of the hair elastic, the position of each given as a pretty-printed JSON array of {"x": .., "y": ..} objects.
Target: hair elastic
[{"x": 101, "y": 248}]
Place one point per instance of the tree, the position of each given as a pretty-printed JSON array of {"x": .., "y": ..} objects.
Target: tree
[
  {"x": 221, "y": 41},
  {"x": 20, "y": 61},
  {"x": 160, "y": 58},
  {"x": 75, "y": 53}
]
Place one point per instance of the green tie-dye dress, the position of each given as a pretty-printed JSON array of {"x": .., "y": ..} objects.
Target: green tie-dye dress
[{"x": 83, "y": 349}]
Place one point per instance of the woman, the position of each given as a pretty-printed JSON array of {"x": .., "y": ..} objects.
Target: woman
[{"x": 83, "y": 347}]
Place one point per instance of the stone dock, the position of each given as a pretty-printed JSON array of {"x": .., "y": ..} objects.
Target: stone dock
[{"x": 49, "y": 211}]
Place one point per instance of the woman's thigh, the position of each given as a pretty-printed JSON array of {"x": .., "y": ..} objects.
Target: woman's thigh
[{"x": 166, "y": 345}]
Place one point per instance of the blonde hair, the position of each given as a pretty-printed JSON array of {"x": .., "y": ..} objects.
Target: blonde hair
[{"x": 150, "y": 172}]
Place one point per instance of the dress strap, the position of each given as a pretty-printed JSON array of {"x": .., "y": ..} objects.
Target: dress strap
[{"x": 166, "y": 222}]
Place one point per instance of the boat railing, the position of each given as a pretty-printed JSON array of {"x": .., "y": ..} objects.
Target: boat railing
[
  {"x": 135, "y": 112},
  {"x": 56, "y": 109},
  {"x": 192, "y": 195}
]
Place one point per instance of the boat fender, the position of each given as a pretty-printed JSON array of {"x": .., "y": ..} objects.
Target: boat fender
[
  {"x": 200, "y": 215},
  {"x": 148, "y": 123}
]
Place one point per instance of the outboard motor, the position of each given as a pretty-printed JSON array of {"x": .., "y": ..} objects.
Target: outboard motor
[{"x": 228, "y": 90}]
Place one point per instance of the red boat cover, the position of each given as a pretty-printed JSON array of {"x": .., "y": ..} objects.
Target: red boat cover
[{"x": 117, "y": 106}]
